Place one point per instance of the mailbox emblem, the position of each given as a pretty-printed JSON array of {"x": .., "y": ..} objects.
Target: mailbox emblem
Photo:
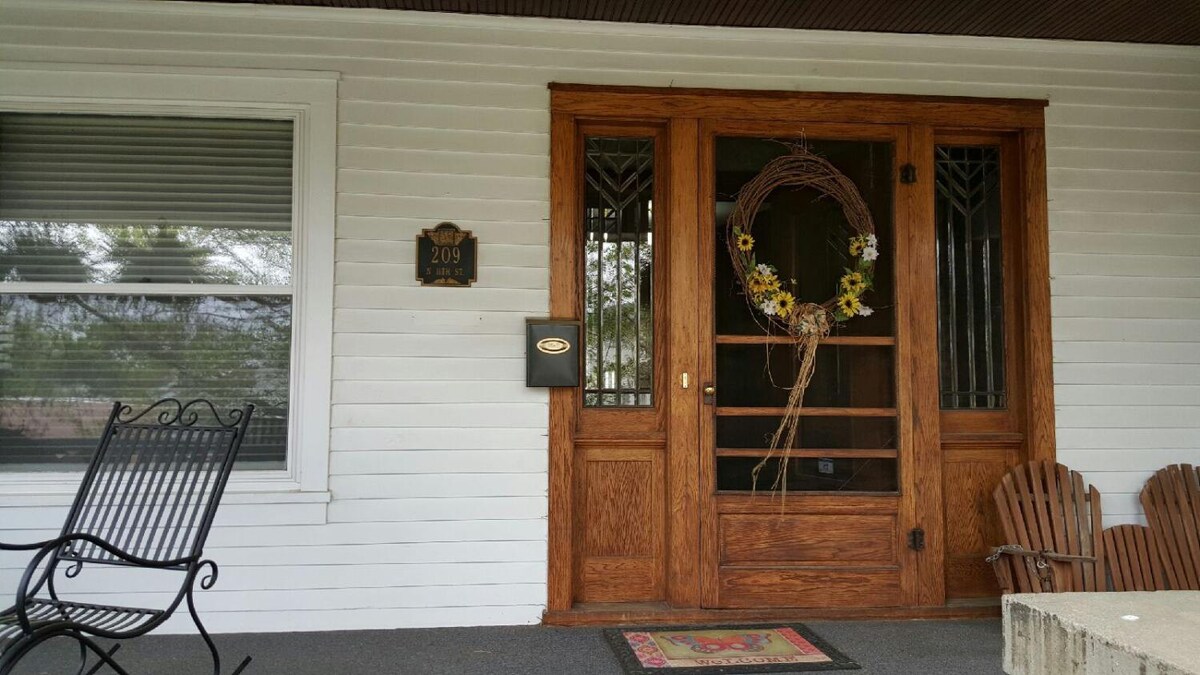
[{"x": 553, "y": 345}]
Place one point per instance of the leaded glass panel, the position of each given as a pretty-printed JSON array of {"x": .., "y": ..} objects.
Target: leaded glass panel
[
  {"x": 618, "y": 245},
  {"x": 970, "y": 277}
]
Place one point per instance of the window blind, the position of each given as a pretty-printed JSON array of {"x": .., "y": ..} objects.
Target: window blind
[{"x": 112, "y": 199}]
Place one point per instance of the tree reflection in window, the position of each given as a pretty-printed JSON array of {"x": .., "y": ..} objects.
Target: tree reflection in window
[
  {"x": 35, "y": 251},
  {"x": 65, "y": 358}
]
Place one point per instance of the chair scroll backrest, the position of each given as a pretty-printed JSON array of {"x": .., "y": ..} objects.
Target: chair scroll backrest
[
  {"x": 153, "y": 487},
  {"x": 1044, "y": 506},
  {"x": 1171, "y": 499}
]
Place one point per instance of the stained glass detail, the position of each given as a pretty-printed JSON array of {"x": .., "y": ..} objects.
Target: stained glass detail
[
  {"x": 618, "y": 271},
  {"x": 970, "y": 277}
]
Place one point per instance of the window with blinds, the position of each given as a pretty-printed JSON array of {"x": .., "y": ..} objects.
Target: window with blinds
[{"x": 140, "y": 258}]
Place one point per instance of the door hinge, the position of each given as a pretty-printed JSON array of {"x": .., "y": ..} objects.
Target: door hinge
[
  {"x": 916, "y": 539},
  {"x": 908, "y": 174}
]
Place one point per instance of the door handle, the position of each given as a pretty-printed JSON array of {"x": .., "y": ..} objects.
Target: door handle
[{"x": 710, "y": 394}]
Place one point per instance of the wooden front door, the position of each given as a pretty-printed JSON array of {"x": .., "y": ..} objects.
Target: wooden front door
[
  {"x": 834, "y": 531},
  {"x": 654, "y": 506}
]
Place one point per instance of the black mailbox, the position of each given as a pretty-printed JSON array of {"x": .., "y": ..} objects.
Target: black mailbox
[{"x": 551, "y": 353}]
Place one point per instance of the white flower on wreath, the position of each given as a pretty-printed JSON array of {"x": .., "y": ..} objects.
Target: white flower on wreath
[
  {"x": 763, "y": 269},
  {"x": 863, "y": 310},
  {"x": 769, "y": 307},
  {"x": 870, "y": 253},
  {"x": 872, "y": 241}
]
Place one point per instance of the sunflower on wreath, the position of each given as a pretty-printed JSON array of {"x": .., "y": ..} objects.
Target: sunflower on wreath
[
  {"x": 768, "y": 293},
  {"x": 776, "y": 298},
  {"x": 857, "y": 281}
]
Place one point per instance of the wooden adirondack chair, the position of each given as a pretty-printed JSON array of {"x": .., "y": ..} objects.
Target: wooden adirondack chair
[
  {"x": 1133, "y": 559},
  {"x": 1052, "y": 526},
  {"x": 1171, "y": 499}
]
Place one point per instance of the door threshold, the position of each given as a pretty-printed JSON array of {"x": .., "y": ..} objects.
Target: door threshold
[{"x": 659, "y": 613}]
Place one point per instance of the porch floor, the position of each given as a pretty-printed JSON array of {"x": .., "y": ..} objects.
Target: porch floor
[{"x": 900, "y": 647}]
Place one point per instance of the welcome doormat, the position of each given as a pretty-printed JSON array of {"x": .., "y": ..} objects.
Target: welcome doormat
[{"x": 724, "y": 650}]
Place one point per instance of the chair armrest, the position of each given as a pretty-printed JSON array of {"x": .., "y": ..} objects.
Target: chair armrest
[
  {"x": 54, "y": 544},
  {"x": 22, "y": 547}
]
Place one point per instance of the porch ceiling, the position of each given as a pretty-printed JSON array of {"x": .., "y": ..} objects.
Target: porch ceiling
[{"x": 1146, "y": 21}]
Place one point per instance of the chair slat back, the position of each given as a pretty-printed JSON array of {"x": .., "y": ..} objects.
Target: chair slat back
[
  {"x": 1171, "y": 499},
  {"x": 1132, "y": 558},
  {"x": 155, "y": 482},
  {"x": 1045, "y": 506}
]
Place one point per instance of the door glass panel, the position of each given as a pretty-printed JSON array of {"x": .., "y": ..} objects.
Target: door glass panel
[
  {"x": 845, "y": 376},
  {"x": 618, "y": 271},
  {"x": 823, "y": 474},
  {"x": 814, "y": 432},
  {"x": 970, "y": 277},
  {"x": 804, "y": 234}
]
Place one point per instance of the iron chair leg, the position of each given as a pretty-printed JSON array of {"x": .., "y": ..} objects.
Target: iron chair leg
[
  {"x": 96, "y": 668},
  {"x": 106, "y": 658},
  {"x": 212, "y": 647},
  {"x": 19, "y": 652},
  {"x": 83, "y": 659}
]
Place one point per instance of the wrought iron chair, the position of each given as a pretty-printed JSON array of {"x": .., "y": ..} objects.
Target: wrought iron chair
[{"x": 147, "y": 500}]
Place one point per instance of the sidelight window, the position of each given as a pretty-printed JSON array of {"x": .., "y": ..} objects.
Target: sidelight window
[
  {"x": 970, "y": 277},
  {"x": 618, "y": 272}
]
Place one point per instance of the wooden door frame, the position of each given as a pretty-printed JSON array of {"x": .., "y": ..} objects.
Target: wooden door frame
[{"x": 681, "y": 111}]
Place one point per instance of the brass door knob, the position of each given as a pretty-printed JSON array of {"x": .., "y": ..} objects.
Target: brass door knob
[{"x": 710, "y": 390}]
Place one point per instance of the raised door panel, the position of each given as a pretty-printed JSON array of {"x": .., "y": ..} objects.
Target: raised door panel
[
  {"x": 808, "y": 540},
  {"x": 619, "y": 526},
  {"x": 973, "y": 527},
  {"x": 757, "y": 588}
]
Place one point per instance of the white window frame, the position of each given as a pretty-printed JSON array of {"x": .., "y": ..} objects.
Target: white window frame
[{"x": 309, "y": 100}]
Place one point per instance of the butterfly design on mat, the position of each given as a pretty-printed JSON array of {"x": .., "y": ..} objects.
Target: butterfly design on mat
[{"x": 744, "y": 642}]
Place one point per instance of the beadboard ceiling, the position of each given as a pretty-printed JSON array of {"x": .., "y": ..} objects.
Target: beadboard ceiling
[{"x": 1146, "y": 21}]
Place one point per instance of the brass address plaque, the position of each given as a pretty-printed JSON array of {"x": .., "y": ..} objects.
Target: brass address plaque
[{"x": 446, "y": 256}]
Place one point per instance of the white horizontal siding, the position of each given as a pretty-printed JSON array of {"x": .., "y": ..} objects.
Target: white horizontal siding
[
  {"x": 230, "y": 515},
  {"x": 279, "y": 577},
  {"x": 438, "y": 465}
]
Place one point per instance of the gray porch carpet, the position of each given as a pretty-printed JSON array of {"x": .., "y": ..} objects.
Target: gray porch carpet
[{"x": 893, "y": 647}]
